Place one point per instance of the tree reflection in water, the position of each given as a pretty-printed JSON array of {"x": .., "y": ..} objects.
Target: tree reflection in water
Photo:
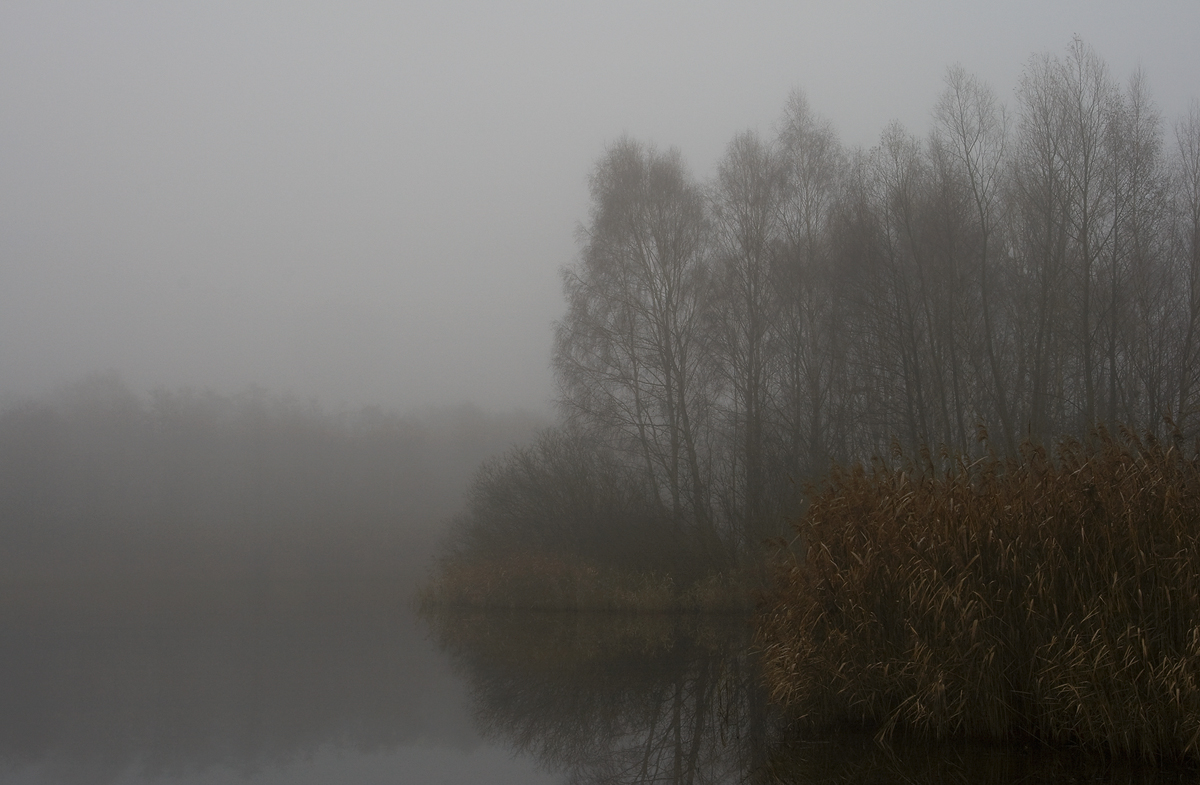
[
  {"x": 624, "y": 699},
  {"x": 615, "y": 698}
]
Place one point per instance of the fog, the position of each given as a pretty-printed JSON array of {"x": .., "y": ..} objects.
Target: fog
[
  {"x": 96, "y": 482},
  {"x": 370, "y": 203},
  {"x": 277, "y": 279}
]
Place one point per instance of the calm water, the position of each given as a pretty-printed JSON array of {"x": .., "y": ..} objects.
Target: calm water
[
  {"x": 234, "y": 682},
  {"x": 335, "y": 680}
]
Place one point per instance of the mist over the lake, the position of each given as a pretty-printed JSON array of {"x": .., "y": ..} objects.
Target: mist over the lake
[{"x": 338, "y": 390}]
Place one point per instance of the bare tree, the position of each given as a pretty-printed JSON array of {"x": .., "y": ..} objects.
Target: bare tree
[
  {"x": 811, "y": 414},
  {"x": 1088, "y": 96},
  {"x": 1037, "y": 278},
  {"x": 746, "y": 211},
  {"x": 973, "y": 128},
  {"x": 897, "y": 175},
  {"x": 629, "y": 353},
  {"x": 1187, "y": 244},
  {"x": 1140, "y": 313}
]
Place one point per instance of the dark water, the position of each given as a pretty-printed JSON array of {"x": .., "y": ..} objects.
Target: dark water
[{"x": 336, "y": 680}]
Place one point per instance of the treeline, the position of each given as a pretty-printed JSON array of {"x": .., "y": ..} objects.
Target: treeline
[
  {"x": 1020, "y": 273},
  {"x": 97, "y": 481}
]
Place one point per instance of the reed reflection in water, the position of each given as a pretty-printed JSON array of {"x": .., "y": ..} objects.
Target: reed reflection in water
[
  {"x": 282, "y": 680},
  {"x": 612, "y": 699}
]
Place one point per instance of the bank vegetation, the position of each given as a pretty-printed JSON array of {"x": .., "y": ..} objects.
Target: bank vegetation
[
  {"x": 1050, "y": 596},
  {"x": 1031, "y": 274},
  {"x": 1031, "y": 269}
]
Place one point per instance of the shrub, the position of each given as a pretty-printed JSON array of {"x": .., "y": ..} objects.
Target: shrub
[
  {"x": 566, "y": 494},
  {"x": 562, "y": 524}
]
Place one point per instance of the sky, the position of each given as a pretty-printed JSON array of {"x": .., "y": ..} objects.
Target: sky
[{"x": 371, "y": 203}]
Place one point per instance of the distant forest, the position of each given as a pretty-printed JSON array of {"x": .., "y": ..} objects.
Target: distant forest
[
  {"x": 1017, "y": 274},
  {"x": 97, "y": 482}
]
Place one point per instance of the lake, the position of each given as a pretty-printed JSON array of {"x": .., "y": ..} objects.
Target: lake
[{"x": 335, "y": 679}]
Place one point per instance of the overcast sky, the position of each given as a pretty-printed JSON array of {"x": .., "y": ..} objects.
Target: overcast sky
[{"x": 370, "y": 203}]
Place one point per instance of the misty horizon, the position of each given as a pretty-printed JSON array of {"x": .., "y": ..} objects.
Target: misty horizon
[
  {"x": 372, "y": 207},
  {"x": 333, "y": 338}
]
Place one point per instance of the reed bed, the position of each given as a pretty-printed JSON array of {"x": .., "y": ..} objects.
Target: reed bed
[
  {"x": 536, "y": 581},
  {"x": 1055, "y": 596}
]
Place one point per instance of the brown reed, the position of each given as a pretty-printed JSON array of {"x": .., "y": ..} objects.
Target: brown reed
[
  {"x": 551, "y": 582},
  {"x": 1055, "y": 596}
]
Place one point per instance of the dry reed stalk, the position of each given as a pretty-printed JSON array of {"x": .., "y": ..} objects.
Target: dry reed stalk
[
  {"x": 1054, "y": 596},
  {"x": 535, "y": 581}
]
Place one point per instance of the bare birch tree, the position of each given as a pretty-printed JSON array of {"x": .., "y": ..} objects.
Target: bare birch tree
[
  {"x": 973, "y": 128},
  {"x": 1186, "y": 241},
  {"x": 746, "y": 211},
  {"x": 629, "y": 354},
  {"x": 812, "y": 414}
]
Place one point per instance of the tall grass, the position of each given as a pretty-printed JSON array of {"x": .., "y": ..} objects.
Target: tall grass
[
  {"x": 1055, "y": 597},
  {"x": 551, "y": 582}
]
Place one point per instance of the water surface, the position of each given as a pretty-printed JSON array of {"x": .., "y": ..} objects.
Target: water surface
[
  {"x": 248, "y": 681},
  {"x": 336, "y": 680}
]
